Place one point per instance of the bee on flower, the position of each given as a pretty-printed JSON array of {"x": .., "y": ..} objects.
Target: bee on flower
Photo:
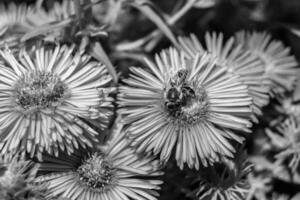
[
  {"x": 193, "y": 106},
  {"x": 45, "y": 94},
  {"x": 113, "y": 172},
  {"x": 235, "y": 60},
  {"x": 280, "y": 67}
]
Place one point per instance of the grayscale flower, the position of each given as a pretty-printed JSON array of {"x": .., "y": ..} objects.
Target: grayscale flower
[
  {"x": 289, "y": 108},
  {"x": 190, "y": 105},
  {"x": 17, "y": 178},
  {"x": 43, "y": 97},
  {"x": 58, "y": 12},
  {"x": 13, "y": 22},
  {"x": 115, "y": 172},
  {"x": 225, "y": 180},
  {"x": 280, "y": 67},
  {"x": 235, "y": 60},
  {"x": 287, "y": 142},
  {"x": 52, "y": 23},
  {"x": 260, "y": 186}
]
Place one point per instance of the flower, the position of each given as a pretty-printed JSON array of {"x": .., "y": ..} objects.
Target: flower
[
  {"x": 289, "y": 107},
  {"x": 52, "y": 23},
  {"x": 192, "y": 105},
  {"x": 43, "y": 97},
  {"x": 13, "y": 22},
  {"x": 18, "y": 20},
  {"x": 17, "y": 178},
  {"x": 260, "y": 185},
  {"x": 225, "y": 180},
  {"x": 280, "y": 67},
  {"x": 58, "y": 12},
  {"x": 235, "y": 60},
  {"x": 61, "y": 22},
  {"x": 287, "y": 142},
  {"x": 115, "y": 172}
]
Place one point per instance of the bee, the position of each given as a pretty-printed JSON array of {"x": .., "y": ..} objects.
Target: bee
[
  {"x": 182, "y": 74},
  {"x": 179, "y": 91},
  {"x": 173, "y": 97},
  {"x": 187, "y": 93},
  {"x": 179, "y": 78}
]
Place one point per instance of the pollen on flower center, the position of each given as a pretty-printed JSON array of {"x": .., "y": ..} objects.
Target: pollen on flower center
[
  {"x": 39, "y": 89},
  {"x": 96, "y": 172},
  {"x": 186, "y": 102}
]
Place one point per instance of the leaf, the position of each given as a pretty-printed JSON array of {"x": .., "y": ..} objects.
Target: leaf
[
  {"x": 295, "y": 31},
  {"x": 45, "y": 29},
  {"x": 93, "y": 31},
  {"x": 205, "y": 3},
  {"x": 77, "y": 9},
  {"x": 98, "y": 52},
  {"x": 296, "y": 197},
  {"x": 150, "y": 11}
]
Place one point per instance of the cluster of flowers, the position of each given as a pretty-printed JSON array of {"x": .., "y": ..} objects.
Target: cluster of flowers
[{"x": 195, "y": 102}]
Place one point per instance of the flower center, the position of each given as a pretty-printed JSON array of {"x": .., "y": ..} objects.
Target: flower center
[
  {"x": 39, "y": 89},
  {"x": 96, "y": 172},
  {"x": 185, "y": 102}
]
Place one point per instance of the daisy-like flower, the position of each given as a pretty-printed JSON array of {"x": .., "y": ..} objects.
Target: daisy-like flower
[
  {"x": 56, "y": 22},
  {"x": 225, "y": 180},
  {"x": 115, "y": 172},
  {"x": 280, "y": 67},
  {"x": 17, "y": 20},
  {"x": 44, "y": 94},
  {"x": 191, "y": 105},
  {"x": 13, "y": 22},
  {"x": 289, "y": 108},
  {"x": 60, "y": 14},
  {"x": 17, "y": 178},
  {"x": 235, "y": 60},
  {"x": 287, "y": 142},
  {"x": 260, "y": 186}
]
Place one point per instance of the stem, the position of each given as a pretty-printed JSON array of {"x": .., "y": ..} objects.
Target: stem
[
  {"x": 139, "y": 57},
  {"x": 171, "y": 21},
  {"x": 98, "y": 52},
  {"x": 179, "y": 14}
]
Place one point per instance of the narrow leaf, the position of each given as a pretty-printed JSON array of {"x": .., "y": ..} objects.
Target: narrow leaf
[
  {"x": 205, "y": 3},
  {"x": 150, "y": 11},
  {"x": 295, "y": 31},
  {"x": 98, "y": 52}
]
